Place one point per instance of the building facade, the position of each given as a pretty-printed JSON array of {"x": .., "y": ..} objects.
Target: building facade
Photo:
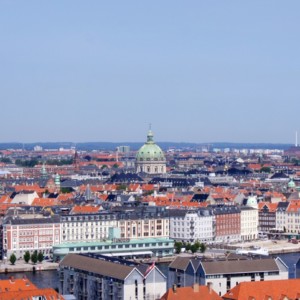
[
  {"x": 150, "y": 159},
  {"x": 98, "y": 277},
  {"x": 228, "y": 223},
  {"x": 192, "y": 225},
  {"x": 29, "y": 233},
  {"x": 249, "y": 223}
]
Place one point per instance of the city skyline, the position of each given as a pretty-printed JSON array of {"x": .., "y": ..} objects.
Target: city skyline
[{"x": 200, "y": 73}]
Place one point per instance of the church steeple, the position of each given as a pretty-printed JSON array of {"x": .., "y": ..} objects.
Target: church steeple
[{"x": 44, "y": 172}]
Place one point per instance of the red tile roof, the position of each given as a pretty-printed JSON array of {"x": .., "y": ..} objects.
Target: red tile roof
[
  {"x": 270, "y": 289},
  {"x": 199, "y": 292}
]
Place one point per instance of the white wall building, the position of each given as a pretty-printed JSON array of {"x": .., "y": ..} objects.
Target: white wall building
[
  {"x": 99, "y": 277},
  {"x": 192, "y": 226},
  {"x": 86, "y": 228},
  {"x": 224, "y": 275},
  {"x": 249, "y": 223}
]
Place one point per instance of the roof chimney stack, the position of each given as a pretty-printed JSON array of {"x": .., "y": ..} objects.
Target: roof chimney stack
[
  {"x": 174, "y": 288},
  {"x": 196, "y": 287},
  {"x": 209, "y": 286}
]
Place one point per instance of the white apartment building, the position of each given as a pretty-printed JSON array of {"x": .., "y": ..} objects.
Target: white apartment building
[
  {"x": 99, "y": 277},
  {"x": 148, "y": 222},
  {"x": 249, "y": 223},
  {"x": 224, "y": 275},
  {"x": 86, "y": 228},
  {"x": 288, "y": 217},
  {"x": 192, "y": 225}
]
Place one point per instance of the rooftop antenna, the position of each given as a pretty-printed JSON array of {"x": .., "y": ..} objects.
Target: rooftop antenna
[{"x": 296, "y": 144}]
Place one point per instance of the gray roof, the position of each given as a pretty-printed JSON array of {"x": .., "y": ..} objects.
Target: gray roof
[
  {"x": 180, "y": 263},
  {"x": 18, "y": 220},
  {"x": 96, "y": 266},
  {"x": 240, "y": 266}
]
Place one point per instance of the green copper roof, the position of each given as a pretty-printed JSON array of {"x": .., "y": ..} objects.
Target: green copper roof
[
  {"x": 150, "y": 151},
  {"x": 291, "y": 184}
]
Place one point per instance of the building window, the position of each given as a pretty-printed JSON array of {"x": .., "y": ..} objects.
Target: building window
[{"x": 136, "y": 288}]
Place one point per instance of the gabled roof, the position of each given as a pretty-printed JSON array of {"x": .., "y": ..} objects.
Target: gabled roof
[
  {"x": 96, "y": 266},
  {"x": 201, "y": 292},
  {"x": 180, "y": 263}
]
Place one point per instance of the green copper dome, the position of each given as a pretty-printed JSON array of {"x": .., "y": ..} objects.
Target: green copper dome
[{"x": 150, "y": 151}]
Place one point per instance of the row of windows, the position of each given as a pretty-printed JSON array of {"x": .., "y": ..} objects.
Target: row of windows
[{"x": 122, "y": 246}]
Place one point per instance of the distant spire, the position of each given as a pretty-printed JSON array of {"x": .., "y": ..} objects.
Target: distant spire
[{"x": 296, "y": 144}]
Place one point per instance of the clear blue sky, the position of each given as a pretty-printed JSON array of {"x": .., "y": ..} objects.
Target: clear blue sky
[{"x": 199, "y": 71}]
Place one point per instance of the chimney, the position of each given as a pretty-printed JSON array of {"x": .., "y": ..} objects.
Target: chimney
[
  {"x": 196, "y": 287},
  {"x": 12, "y": 279},
  {"x": 174, "y": 288},
  {"x": 209, "y": 286}
]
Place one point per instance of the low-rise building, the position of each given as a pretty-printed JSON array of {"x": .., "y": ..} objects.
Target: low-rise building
[
  {"x": 129, "y": 248},
  {"x": 224, "y": 275},
  {"x": 98, "y": 277}
]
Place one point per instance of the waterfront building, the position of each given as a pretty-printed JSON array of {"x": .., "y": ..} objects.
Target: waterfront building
[
  {"x": 228, "y": 223},
  {"x": 92, "y": 277},
  {"x": 249, "y": 223},
  {"x": 182, "y": 271},
  {"x": 28, "y": 232},
  {"x": 222, "y": 275},
  {"x": 288, "y": 217},
  {"x": 267, "y": 216},
  {"x": 144, "y": 222},
  {"x": 86, "y": 227},
  {"x": 192, "y": 225},
  {"x": 134, "y": 223},
  {"x": 281, "y": 217},
  {"x": 119, "y": 247},
  {"x": 150, "y": 159}
]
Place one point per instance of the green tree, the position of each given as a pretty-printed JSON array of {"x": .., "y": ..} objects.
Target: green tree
[
  {"x": 194, "y": 248},
  {"x": 26, "y": 256},
  {"x": 12, "y": 259},
  {"x": 40, "y": 257},
  {"x": 265, "y": 170},
  {"x": 188, "y": 246},
  {"x": 202, "y": 248},
  {"x": 115, "y": 166},
  {"x": 177, "y": 246},
  {"x": 197, "y": 245},
  {"x": 34, "y": 257}
]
